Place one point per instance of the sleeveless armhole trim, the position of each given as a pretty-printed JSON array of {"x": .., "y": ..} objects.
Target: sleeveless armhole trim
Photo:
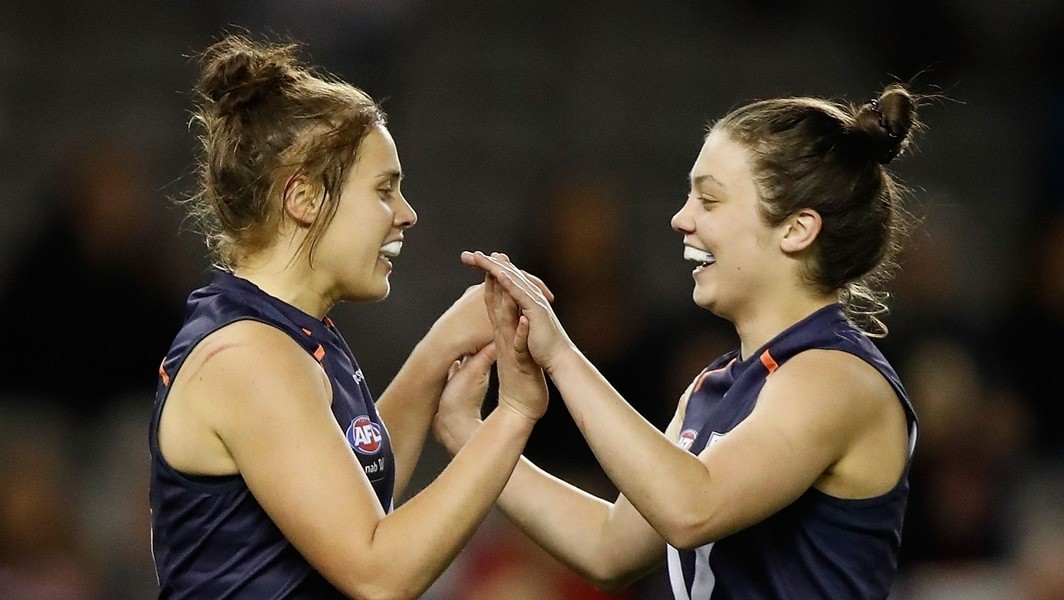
[{"x": 211, "y": 484}]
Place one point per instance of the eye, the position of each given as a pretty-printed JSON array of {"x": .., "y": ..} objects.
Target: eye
[
  {"x": 385, "y": 192},
  {"x": 706, "y": 201}
]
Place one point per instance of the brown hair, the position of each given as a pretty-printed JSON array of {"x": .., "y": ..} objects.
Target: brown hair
[
  {"x": 266, "y": 117},
  {"x": 832, "y": 157}
]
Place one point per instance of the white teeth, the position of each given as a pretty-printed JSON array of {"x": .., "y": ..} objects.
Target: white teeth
[
  {"x": 392, "y": 249},
  {"x": 699, "y": 256}
]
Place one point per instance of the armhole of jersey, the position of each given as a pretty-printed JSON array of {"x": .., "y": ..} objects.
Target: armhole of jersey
[{"x": 203, "y": 483}]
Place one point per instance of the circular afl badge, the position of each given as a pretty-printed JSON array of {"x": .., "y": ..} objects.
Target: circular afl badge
[
  {"x": 687, "y": 438},
  {"x": 364, "y": 436}
]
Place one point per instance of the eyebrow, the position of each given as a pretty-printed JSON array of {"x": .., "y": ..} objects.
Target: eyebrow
[
  {"x": 697, "y": 181},
  {"x": 390, "y": 174}
]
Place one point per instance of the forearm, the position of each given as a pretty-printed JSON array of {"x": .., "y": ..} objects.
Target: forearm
[
  {"x": 429, "y": 530},
  {"x": 409, "y": 403},
  {"x": 628, "y": 447},
  {"x": 588, "y": 534}
]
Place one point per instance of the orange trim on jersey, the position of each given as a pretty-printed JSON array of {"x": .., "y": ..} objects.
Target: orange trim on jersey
[
  {"x": 328, "y": 321},
  {"x": 163, "y": 374},
  {"x": 306, "y": 331},
  {"x": 769, "y": 362},
  {"x": 319, "y": 353},
  {"x": 702, "y": 377}
]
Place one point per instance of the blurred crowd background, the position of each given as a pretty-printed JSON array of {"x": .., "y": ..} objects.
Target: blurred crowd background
[{"x": 560, "y": 132}]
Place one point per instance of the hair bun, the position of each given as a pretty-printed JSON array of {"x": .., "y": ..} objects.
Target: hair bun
[
  {"x": 238, "y": 74},
  {"x": 885, "y": 123}
]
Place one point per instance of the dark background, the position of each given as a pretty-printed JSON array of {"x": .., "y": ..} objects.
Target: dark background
[{"x": 561, "y": 133}]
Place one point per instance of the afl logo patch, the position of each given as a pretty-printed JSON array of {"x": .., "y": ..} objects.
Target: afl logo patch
[
  {"x": 364, "y": 435},
  {"x": 687, "y": 438}
]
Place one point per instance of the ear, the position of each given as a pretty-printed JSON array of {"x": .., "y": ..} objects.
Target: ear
[
  {"x": 800, "y": 230},
  {"x": 301, "y": 199}
]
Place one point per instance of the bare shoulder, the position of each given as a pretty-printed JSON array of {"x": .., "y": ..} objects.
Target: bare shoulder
[
  {"x": 233, "y": 375},
  {"x": 238, "y": 341},
  {"x": 848, "y": 407},
  {"x": 836, "y": 379},
  {"x": 246, "y": 352}
]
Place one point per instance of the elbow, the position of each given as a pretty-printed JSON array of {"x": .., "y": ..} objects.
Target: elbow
[
  {"x": 612, "y": 574},
  {"x": 368, "y": 589},
  {"x": 684, "y": 540},
  {"x": 611, "y": 583},
  {"x": 686, "y": 532},
  {"x": 365, "y": 592}
]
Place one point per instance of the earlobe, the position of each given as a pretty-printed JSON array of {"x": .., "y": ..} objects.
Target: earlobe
[
  {"x": 801, "y": 229},
  {"x": 301, "y": 200}
]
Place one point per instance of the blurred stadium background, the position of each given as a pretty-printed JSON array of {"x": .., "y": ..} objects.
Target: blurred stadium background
[{"x": 562, "y": 133}]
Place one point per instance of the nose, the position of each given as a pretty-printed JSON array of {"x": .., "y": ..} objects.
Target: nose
[
  {"x": 405, "y": 216},
  {"x": 682, "y": 221}
]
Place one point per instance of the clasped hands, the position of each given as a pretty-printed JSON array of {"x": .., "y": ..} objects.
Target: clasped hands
[{"x": 527, "y": 340}]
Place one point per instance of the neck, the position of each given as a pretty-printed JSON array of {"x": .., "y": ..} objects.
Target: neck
[
  {"x": 289, "y": 280},
  {"x": 759, "y": 325}
]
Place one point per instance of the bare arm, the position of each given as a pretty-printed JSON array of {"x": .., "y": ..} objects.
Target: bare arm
[
  {"x": 809, "y": 416},
  {"x": 269, "y": 404},
  {"x": 409, "y": 402},
  {"x": 609, "y": 544}
]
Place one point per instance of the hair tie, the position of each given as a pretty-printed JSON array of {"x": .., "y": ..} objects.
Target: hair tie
[{"x": 879, "y": 116}]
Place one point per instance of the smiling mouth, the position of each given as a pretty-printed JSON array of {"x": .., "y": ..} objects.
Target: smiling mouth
[
  {"x": 701, "y": 257},
  {"x": 391, "y": 249}
]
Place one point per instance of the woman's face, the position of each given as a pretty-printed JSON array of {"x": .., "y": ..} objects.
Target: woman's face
[
  {"x": 723, "y": 230},
  {"x": 367, "y": 230}
]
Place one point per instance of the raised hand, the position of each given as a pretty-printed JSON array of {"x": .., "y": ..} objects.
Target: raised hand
[
  {"x": 463, "y": 329},
  {"x": 522, "y": 385},
  {"x": 545, "y": 339},
  {"x": 458, "y": 414}
]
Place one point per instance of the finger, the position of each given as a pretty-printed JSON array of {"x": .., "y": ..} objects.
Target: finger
[
  {"x": 453, "y": 369},
  {"x": 471, "y": 258},
  {"x": 489, "y": 296},
  {"x": 485, "y": 357},
  {"x": 521, "y": 335},
  {"x": 504, "y": 310},
  {"x": 496, "y": 263},
  {"x": 480, "y": 363},
  {"x": 539, "y": 283},
  {"x": 520, "y": 275},
  {"x": 499, "y": 269},
  {"x": 531, "y": 278},
  {"x": 523, "y": 292}
]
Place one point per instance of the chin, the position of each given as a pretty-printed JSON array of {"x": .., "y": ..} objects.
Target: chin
[
  {"x": 379, "y": 295},
  {"x": 374, "y": 293},
  {"x": 706, "y": 301},
  {"x": 702, "y": 299}
]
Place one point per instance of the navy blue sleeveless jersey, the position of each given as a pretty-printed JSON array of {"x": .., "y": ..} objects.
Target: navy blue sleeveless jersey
[
  {"x": 820, "y": 546},
  {"x": 210, "y": 537}
]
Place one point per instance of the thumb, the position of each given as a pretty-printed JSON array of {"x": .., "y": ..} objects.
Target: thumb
[
  {"x": 521, "y": 335},
  {"x": 481, "y": 361}
]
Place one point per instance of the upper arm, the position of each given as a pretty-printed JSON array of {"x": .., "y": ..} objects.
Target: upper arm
[
  {"x": 269, "y": 403},
  {"x": 807, "y": 418}
]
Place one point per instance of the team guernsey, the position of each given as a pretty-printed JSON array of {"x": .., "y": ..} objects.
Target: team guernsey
[
  {"x": 818, "y": 547},
  {"x": 210, "y": 537}
]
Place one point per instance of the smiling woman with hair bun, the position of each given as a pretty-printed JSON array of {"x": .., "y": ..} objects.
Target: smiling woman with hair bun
[
  {"x": 784, "y": 472},
  {"x": 273, "y": 471}
]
